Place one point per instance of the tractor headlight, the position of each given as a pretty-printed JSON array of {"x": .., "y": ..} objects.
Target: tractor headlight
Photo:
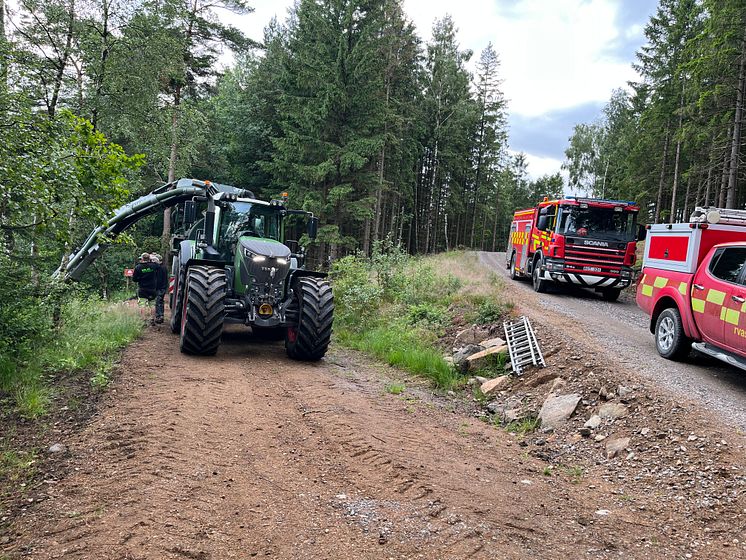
[
  {"x": 258, "y": 258},
  {"x": 283, "y": 262}
]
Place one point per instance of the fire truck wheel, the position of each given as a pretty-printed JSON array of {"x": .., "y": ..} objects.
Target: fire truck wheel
[
  {"x": 670, "y": 340},
  {"x": 610, "y": 294},
  {"x": 513, "y": 271},
  {"x": 540, "y": 285}
]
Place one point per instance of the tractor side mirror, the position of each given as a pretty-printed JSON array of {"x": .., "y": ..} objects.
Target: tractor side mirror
[
  {"x": 313, "y": 227},
  {"x": 642, "y": 232},
  {"x": 190, "y": 212}
]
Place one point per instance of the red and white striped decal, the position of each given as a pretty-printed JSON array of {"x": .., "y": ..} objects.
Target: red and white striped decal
[{"x": 171, "y": 282}]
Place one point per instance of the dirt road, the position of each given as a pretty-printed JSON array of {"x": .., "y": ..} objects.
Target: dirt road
[
  {"x": 248, "y": 454},
  {"x": 622, "y": 330}
]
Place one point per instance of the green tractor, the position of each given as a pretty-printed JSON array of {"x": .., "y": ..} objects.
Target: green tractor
[{"x": 231, "y": 263}]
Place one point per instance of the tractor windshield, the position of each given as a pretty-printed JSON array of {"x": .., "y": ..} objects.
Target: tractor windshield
[
  {"x": 239, "y": 219},
  {"x": 598, "y": 223}
]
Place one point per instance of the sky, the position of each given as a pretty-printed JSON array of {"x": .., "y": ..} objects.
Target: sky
[{"x": 560, "y": 59}]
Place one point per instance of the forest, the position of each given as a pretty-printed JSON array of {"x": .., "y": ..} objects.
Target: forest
[
  {"x": 673, "y": 140},
  {"x": 385, "y": 136}
]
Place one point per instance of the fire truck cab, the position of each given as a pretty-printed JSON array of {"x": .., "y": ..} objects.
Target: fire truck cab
[
  {"x": 590, "y": 242},
  {"x": 693, "y": 285}
]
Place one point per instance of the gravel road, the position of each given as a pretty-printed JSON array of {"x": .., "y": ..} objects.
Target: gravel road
[
  {"x": 248, "y": 454},
  {"x": 621, "y": 328}
]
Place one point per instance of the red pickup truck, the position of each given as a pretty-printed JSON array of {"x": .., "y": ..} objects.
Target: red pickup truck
[{"x": 693, "y": 285}]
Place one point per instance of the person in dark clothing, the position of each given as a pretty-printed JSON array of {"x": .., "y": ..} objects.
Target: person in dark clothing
[
  {"x": 161, "y": 285},
  {"x": 145, "y": 276}
]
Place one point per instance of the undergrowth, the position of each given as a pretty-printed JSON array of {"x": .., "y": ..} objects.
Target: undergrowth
[
  {"x": 89, "y": 331},
  {"x": 397, "y": 308}
]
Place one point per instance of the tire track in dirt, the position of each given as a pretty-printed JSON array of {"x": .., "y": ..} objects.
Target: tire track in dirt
[{"x": 249, "y": 454}]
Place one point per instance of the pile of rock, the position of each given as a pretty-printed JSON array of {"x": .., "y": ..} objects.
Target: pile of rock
[{"x": 472, "y": 348}]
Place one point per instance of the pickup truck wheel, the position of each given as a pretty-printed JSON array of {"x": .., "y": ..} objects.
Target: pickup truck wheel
[{"x": 670, "y": 340}]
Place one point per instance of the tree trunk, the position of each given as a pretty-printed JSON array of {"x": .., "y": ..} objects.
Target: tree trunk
[
  {"x": 62, "y": 63},
  {"x": 723, "y": 178},
  {"x": 662, "y": 179},
  {"x": 105, "y": 47},
  {"x": 735, "y": 148}
]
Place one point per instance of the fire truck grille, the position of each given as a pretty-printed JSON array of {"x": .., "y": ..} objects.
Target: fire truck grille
[{"x": 598, "y": 261}]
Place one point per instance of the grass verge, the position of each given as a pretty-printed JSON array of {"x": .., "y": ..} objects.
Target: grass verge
[
  {"x": 91, "y": 331},
  {"x": 404, "y": 310}
]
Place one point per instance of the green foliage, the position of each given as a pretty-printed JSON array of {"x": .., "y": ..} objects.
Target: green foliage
[
  {"x": 492, "y": 311},
  {"x": 357, "y": 298},
  {"x": 427, "y": 315},
  {"x": 91, "y": 330},
  {"x": 402, "y": 347},
  {"x": 524, "y": 426},
  {"x": 396, "y": 388}
]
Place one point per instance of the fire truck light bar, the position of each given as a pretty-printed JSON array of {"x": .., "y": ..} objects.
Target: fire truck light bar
[{"x": 585, "y": 200}]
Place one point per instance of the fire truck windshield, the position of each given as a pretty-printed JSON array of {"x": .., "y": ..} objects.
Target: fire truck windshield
[{"x": 598, "y": 223}]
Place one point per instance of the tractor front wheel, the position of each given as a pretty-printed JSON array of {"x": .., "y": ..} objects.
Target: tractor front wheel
[
  {"x": 308, "y": 339},
  {"x": 202, "y": 310}
]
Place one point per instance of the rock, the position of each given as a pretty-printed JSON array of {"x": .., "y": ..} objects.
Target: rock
[
  {"x": 448, "y": 360},
  {"x": 557, "y": 385},
  {"x": 645, "y": 431},
  {"x": 57, "y": 448},
  {"x": 624, "y": 392},
  {"x": 544, "y": 377},
  {"x": 513, "y": 415},
  {"x": 481, "y": 379},
  {"x": 600, "y": 437},
  {"x": 612, "y": 410},
  {"x": 585, "y": 431},
  {"x": 479, "y": 359},
  {"x": 495, "y": 408},
  {"x": 470, "y": 335},
  {"x": 459, "y": 358},
  {"x": 557, "y": 409},
  {"x": 616, "y": 446},
  {"x": 492, "y": 342},
  {"x": 605, "y": 394},
  {"x": 472, "y": 381},
  {"x": 494, "y": 384},
  {"x": 593, "y": 422}
]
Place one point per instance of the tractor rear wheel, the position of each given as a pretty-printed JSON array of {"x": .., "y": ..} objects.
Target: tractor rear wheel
[
  {"x": 202, "y": 310},
  {"x": 314, "y": 305}
]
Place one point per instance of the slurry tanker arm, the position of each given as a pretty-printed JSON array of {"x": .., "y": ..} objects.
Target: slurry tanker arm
[{"x": 161, "y": 198}]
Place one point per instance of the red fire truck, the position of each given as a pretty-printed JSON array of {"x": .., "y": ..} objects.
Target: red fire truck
[
  {"x": 584, "y": 241},
  {"x": 693, "y": 285}
]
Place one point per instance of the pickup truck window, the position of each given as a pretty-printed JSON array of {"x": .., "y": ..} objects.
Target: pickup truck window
[{"x": 728, "y": 263}]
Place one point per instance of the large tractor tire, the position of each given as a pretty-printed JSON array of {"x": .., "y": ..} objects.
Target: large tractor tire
[
  {"x": 313, "y": 304},
  {"x": 202, "y": 310}
]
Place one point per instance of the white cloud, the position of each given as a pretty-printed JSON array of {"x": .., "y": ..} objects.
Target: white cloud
[{"x": 539, "y": 166}]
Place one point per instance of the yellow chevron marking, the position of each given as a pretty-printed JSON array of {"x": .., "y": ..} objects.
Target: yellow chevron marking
[
  {"x": 660, "y": 282},
  {"x": 682, "y": 288},
  {"x": 647, "y": 290}
]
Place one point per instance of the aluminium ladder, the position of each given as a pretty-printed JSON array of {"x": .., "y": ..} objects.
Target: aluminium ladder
[{"x": 523, "y": 347}]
